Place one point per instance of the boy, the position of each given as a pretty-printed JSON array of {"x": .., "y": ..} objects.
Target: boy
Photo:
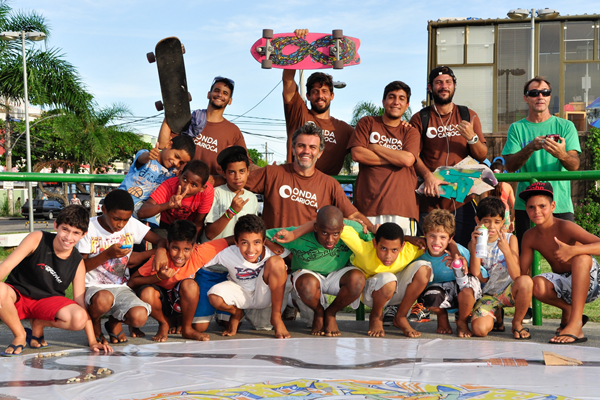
[
  {"x": 443, "y": 292},
  {"x": 231, "y": 201},
  {"x": 569, "y": 250},
  {"x": 320, "y": 266},
  {"x": 151, "y": 168},
  {"x": 506, "y": 285},
  {"x": 170, "y": 291},
  {"x": 384, "y": 262},
  {"x": 106, "y": 249},
  {"x": 257, "y": 277},
  {"x": 35, "y": 293},
  {"x": 188, "y": 196}
]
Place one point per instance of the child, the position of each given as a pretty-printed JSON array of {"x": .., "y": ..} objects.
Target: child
[
  {"x": 384, "y": 262},
  {"x": 569, "y": 250},
  {"x": 257, "y": 277},
  {"x": 106, "y": 249},
  {"x": 170, "y": 291},
  {"x": 505, "y": 193},
  {"x": 151, "y": 168},
  {"x": 35, "y": 293},
  {"x": 443, "y": 292},
  {"x": 189, "y": 196},
  {"x": 506, "y": 286},
  {"x": 231, "y": 201}
]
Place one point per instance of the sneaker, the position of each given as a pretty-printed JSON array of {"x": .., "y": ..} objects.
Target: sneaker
[
  {"x": 389, "y": 313},
  {"x": 528, "y": 316},
  {"x": 419, "y": 314}
]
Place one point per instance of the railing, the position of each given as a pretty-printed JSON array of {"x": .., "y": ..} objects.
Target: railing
[{"x": 513, "y": 177}]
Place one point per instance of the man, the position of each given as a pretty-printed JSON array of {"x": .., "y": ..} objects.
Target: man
[
  {"x": 294, "y": 192},
  {"x": 529, "y": 149},
  {"x": 210, "y": 130},
  {"x": 451, "y": 133},
  {"x": 319, "y": 87},
  {"x": 74, "y": 200},
  {"x": 386, "y": 151}
]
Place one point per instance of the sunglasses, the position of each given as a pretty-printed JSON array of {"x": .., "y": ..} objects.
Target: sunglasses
[
  {"x": 536, "y": 92},
  {"x": 221, "y": 79}
]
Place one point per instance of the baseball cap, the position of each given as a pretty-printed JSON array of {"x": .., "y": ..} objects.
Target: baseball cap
[
  {"x": 441, "y": 70},
  {"x": 226, "y": 153},
  {"x": 537, "y": 188},
  {"x": 227, "y": 81}
]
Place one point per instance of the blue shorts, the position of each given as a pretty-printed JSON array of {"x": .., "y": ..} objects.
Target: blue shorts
[{"x": 206, "y": 280}]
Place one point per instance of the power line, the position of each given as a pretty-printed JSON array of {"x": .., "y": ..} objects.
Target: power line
[{"x": 278, "y": 83}]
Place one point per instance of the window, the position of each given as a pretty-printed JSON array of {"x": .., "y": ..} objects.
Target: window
[
  {"x": 450, "y": 46},
  {"x": 480, "y": 45},
  {"x": 474, "y": 89},
  {"x": 579, "y": 40},
  {"x": 549, "y": 59},
  {"x": 582, "y": 86}
]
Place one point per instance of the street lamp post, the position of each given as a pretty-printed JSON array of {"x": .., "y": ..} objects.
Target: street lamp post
[
  {"x": 542, "y": 13},
  {"x": 33, "y": 36}
]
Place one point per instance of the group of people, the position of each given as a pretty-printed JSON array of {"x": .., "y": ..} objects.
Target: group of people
[{"x": 193, "y": 198}]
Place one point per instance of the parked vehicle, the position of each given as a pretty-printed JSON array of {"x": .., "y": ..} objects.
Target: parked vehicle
[{"x": 48, "y": 209}]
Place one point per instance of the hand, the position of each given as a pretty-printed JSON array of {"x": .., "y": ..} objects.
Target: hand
[
  {"x": 474, "y": 236},
  {"x": 503, "y": 243},
  {"x": 301, "y": 33},
  {"x": 364, "y": 226},
  {"x": 537, "y": 143},
  {"x": 432, "y": 186},
  {"x": 211, "y": 180},
  {"x": 115, "y": 251},
  {"x": 166, "y": 273},
  {"x": 155, "y": 152},
  {"x": 284, "y": 236},
  {"x": 564, "y": 252},
  {"x": 97, "y": 347},
  {"x": 238, "y": 202},
  {"x": 465, "y": 128},
  {"x": 556, "y": 149},
  {"x": 511, "y": 227},
  {"x": 161, "y": 261},
  {"x": 176, "y": 199},
  {"x": 416, "y": 241},
  {"x": 373, "y": 147},
  {"x": 274, "y": 247}
]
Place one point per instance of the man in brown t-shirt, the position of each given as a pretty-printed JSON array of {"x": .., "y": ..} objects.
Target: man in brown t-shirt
[
  {"x": 211, "y": 132},
  {"x": 448, "y": 139},
  {"x": 319, "y": 87},
  {"x": 294, "y": 192},
  {"x": 386, "y": 151}
]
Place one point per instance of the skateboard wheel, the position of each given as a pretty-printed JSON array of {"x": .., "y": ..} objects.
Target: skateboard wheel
[
  {"x": 182, "y": 49},
  {"x": 267, "y": 34},
  {"x": 337, "y": 34},
  {"x": 266, "y": 64},
  {"x": 338, "y": 64},
  {"x": 151, "y": 58},
  {"x": 159, "y": 106},
  {"x": 190, "y": 96}
]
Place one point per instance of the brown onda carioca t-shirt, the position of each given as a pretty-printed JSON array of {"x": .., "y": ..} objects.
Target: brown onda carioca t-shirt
[
  {"x": 215, "y": 137},
  {"x": 292, "y": 199},
  {"x": 434, "y": 149},
  {"x": 337, "y": 134},
  {"x": 386, "y": 189}
]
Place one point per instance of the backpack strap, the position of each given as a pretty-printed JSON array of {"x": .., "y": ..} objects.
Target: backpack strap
[
  {"x": 465, "y": 115},
  {"x": 424, "y": 114}
]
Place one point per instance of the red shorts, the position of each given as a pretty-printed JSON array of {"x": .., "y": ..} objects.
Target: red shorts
[{"x": 44, "y": 309}]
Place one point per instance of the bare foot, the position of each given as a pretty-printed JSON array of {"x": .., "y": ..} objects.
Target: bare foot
[
  {"x": 234, "y": 322},
  {"x": 462, "y": 329},
  {"x": 317, "y": 326},
  {"x": 376, "y": 327},
  {"x": 163, "y": 333},
  {"x": 443, "y": 325},
  {"x": 281, "y": 331},
  {"x": 331, "y": 326},
  {"x": 136, "y": 332},
  {"x": 403, "y": 324},
  {"x": 194, "y": 335}
]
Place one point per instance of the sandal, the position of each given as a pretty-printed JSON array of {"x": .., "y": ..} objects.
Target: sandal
[
  {"x": 584, "y": 320},
  {"x": 520, "y": 333},
  {"x": 114, "y": 336},
  {"x": 15, "y": 348},
  {"x": 29, "y": 336}
]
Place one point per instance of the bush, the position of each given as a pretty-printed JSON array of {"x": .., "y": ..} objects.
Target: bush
[{"x": 587, "y": 213}]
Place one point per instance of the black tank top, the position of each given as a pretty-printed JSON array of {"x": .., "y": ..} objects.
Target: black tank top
[{"x": 43, "y": 274}]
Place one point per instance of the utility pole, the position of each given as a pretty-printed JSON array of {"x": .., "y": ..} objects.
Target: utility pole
[
  {"x": 267, "y": 152},
  {"x": 8, "y": 150}
]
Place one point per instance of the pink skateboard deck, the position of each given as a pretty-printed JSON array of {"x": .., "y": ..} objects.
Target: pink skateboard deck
[{"x": 315, "y": 51}]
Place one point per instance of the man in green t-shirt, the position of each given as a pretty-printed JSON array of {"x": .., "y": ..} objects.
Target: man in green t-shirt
[
  {"x": 320, "y": 266},
  {"x": 542, "y": 142}
]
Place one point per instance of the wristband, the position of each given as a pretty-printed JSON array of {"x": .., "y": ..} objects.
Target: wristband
[
  {"x": 233, "y": 211},
  {"x": 227, "y": 215},
  {"x": 158, "y": 276}
]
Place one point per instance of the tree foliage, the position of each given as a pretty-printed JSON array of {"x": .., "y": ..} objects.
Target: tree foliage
[{"x": 256, "y": 157}]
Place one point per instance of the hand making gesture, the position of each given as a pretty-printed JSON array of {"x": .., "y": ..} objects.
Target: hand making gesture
[
  {"x": 176, "y": 199},
  {"x": 238, "y": 202}
]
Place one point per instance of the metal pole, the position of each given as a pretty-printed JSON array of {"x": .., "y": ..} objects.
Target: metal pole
[
  {"x": 302, "y": 87},
  {"x": 28, "y": 140},
  {"x": 532, "y": 72}
]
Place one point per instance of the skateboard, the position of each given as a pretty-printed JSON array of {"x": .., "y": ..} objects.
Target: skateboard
[
  {"x": 168, "y": 55},
  {"x": 315, "y": 51}
]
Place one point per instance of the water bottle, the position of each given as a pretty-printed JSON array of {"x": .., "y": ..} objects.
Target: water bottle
[
  {"x": 459, "y": 274},
  {"x": 482, "y": 242}
]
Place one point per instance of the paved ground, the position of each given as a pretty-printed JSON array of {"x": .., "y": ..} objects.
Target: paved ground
[{"x": 64, "y": 340}]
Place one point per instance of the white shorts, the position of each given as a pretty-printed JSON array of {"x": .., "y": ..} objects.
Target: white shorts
[
  {"x": 330, "y": 284},
  {"x": 403, "y": 279},
  {"x": 408, "y": 225},
  {"x": 234, "y": 295},
  {"x": 124, "y": 299}
]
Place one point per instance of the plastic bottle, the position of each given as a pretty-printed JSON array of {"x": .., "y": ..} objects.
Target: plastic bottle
[
  {"x": 482, "y": 242},
  {"x": 459, "y": 274}
]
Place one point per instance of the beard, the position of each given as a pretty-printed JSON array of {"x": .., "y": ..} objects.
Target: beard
[
  {"x": 317, "y": 109},
  {"x": 438, "y": 100}
]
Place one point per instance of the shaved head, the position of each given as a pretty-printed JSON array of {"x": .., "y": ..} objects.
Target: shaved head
[
  {"x": 330, "y": 216},
  {"x": 330, "y": 222}
]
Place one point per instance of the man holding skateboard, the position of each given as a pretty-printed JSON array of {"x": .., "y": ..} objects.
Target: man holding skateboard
[
  {"x": 319, "y": 87},
  {"x": 211, "y": 132}
]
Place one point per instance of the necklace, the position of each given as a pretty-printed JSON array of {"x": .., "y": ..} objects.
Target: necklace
[{"x": 448, "y": 120}]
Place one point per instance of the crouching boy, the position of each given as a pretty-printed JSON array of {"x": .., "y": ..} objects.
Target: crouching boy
[{"x": 39, "y": 271}]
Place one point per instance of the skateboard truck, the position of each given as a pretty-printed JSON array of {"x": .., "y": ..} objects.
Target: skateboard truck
[
  {"x": 337, "y": 35},
  {"x": 266, "y": 50}
]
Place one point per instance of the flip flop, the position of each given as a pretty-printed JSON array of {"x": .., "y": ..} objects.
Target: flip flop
[
  {"x": 114, "y": 336},
  {"x": 584, "y": 320},
  {"x": 29, "y": 337},
  {"x": 15, "y": 348},
  {"x": 499, "y": 326},
  {"x": 576, "y": 339},
  {"x": 520, "y": 332}
]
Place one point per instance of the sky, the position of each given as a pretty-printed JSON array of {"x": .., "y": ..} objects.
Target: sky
[{"x": 107, "y": 42}]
